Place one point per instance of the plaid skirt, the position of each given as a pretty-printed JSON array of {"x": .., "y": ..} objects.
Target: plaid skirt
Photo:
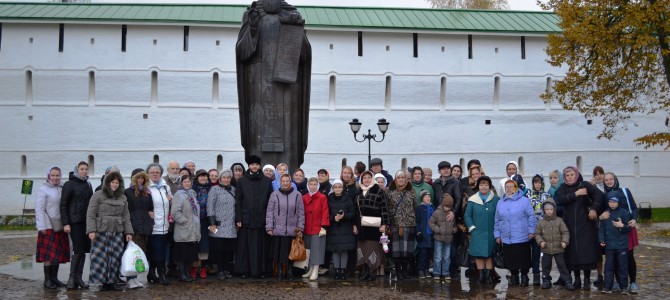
[
  {"x": 403, "y": 246},
  {"x": 52, "y": 246},
  {"x": 106, "y": 253}
]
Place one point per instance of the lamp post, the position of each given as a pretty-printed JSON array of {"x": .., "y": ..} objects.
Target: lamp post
[{"x": 381, "y": 124}]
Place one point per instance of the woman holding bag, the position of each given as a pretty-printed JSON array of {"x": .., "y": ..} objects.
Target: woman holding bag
[
  {"x": 53, "y": 247},
  {"x": 371, "y": 221},
  {"x": 141, "y": 208},
  {"x": 284, "y": 219}
]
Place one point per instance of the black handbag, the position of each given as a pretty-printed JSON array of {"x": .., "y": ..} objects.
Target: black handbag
[
  {"x": 463, "y": 254},
  {"x": 498, "y": 258}
]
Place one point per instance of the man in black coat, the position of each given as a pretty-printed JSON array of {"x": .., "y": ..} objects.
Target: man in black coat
[{"x": 251, "y": 202}]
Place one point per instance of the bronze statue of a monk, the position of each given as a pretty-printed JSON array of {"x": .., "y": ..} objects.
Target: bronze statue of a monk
[{"x": 274, "y": 62}]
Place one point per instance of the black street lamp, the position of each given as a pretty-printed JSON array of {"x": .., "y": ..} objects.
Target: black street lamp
[{"x": 383, "y": 127}]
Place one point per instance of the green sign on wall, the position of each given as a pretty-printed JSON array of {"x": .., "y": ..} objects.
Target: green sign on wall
[{"x": 27, "y": 187}]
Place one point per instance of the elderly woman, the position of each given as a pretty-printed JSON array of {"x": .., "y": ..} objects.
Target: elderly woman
[
  {"x": 317, "y": 218},
  {"x": 222, "y": 231},
  {"x": 186, "y": 213},
  {"x": 74, "y": 200},
  {"x": 141, "y": 209},
  {"x": 161, "y": 196},
  {"x": 582, "y": 202},
  {"x": 370, "y": 207},
  {"x": 479, "y": 219},
  {"x": 201, "y": 186},
  {"x": 514, "y": 228},
  {"x": 401, "y": 201},
  {"x": 284, "y": 219},
  {"x": 190, "y": 165},
  {"x": 53, "y": 246},
  {"x": 107, "y": 221}
]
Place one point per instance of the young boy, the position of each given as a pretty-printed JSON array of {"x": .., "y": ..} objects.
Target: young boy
[
  {"x": 424, "y": 236},
  {"x": 443, "y": 234},
  {"x": 553, "y": 236},
  {"x": 537, "y": 196},
  {"x": 613, "y": 236}
]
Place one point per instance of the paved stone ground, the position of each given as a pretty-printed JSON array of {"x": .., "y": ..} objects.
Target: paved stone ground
[{"x": 20, "y": 278}]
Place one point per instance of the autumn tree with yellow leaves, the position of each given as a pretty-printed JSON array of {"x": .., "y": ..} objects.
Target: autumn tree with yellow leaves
[{"x": 617, "y": 55}]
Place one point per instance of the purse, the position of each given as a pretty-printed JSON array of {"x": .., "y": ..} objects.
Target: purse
[
  {"x": 367, "y": 221},
  {"x": 498, "y": 258},
  {"x": 298, "y": 252},
  {"x": 463, "y": 254}
]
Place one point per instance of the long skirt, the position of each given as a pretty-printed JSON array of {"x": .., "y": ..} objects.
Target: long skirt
[
  {"x": 185, "y": 252},
  {"x": 280, "y": 247},
  {"x": 52, "y": 246},
  {"x": 81, "y": 244},
  {"x": 517, "y": 256},
  {"x": 106, "y": 253},
  {"x": 369, "y": 253},
  {"x": 317, "y": 248},
  {"x": 252, "y": 251},
  {"x": 158, "y": 245},
  {"x": 403, "y": 246}
]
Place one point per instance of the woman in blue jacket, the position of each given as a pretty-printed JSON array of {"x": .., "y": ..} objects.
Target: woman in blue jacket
[{"x": 514, "y": 228}]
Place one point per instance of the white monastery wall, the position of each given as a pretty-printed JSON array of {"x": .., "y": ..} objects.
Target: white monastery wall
[{"x": 157, "y": 102}]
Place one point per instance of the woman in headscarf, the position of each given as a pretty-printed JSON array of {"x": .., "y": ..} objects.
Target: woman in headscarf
[
  {"x": 74, "y": 200},
  {"x": 53, "y": 246},
  {"x": 107, "y": 222},
  {"x": 316, "y": 222},
  {"x": 370, "y": 202},
  {"x": 512, "y": 171},
  {"x": 582, "y": 202},
  {"x": 341, "y": 239},
  {"x": 222, "y": 231},
  {"x": 186, "y": 213},
  {"x": 141, "y": 209},
  {"x": 284, "y": 219},
  {"x": 555, "y": 181},
  {"x": 201, "y": 186},
  {"x": 401, "y": 201},
  {"x": 514, "y": 228}
]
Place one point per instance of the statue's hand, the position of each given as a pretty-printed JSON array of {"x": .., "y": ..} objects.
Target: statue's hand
[{"x": 254, "y": 19}]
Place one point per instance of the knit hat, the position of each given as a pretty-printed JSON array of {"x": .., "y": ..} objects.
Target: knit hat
[
  {"x": 253, "y": 159},
  {"x": 443, "y": 164},
  {"x": 423, "y": 193},
  {"x": 269, "y": 167},
  {"x": 447, "y": 200}
]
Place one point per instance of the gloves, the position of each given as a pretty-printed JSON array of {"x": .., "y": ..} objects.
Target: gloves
[{"x": 322, "y": 232}]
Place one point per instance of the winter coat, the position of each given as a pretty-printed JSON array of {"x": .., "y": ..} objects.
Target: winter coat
[
  {"x": 514, "y": 219},
  {"x": 613, "y": 237},
  {"x": 452, "y": 186},
  {"x": 139, "y": 208},
  {"x": 479, "y": 219},
  {"x": 159, "y": 196},
  {"x": 552, "y": 231},
  {"x": 583, "y": 248},
  {"x": 352, "y": 190},
  {"x": 401, "y": 206},
  {"x": 47, "y": 205},
  {"x": 202, "y": 191},
  {"x": 108, "y": 210},
  {"x": 74, "y": 200},
  {"x": 443, "y": 230},
  {"x": 625, "y": 197},
  {"x": 221, "y": 211},
  {"x": 301, "y": 187},
  {"x": 340, "y": 236},
  {"x": 324, "y": 187},
  {"x": 316, "y": 212},
  {"x": 251, "y": 199},
  {"x": 418, "y": 187},
  {"x": 424, "y": 238},
  {"x": 285, "y": 213},
  {"x": 186, "y": 222},
  {"x": 372, "y": 204}
]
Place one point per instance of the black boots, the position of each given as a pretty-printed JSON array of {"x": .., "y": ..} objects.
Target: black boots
[
  {"x": 524, "y": 279},
  {"x": 151, "y": 277},
  {"x": 280, "y": 272},
  {"x": 546, "y": 282},
  {"x": 587, "y": 280},
  {"x": 577, "y": 282},
  {"x": 487, "y": 276},
  {"x": 183, "y": 273},
  {"x": 54, "y": 276},
  {"x": 481, "y": 276},
  {"x": 111, "y": 287},
  {"x": 161, "y": 275},
  {"x": 536, "y": 279},
  {"x": 76, "y": 271},
  {"x": 48, "y": 284},
  {"x": 514, "y": 280}
]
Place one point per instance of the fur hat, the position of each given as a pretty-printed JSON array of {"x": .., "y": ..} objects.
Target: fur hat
[{"x": 253, "y": 159}]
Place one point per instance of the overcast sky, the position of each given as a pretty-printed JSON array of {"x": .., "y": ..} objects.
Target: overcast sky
[{"x": 514, "y": 4}]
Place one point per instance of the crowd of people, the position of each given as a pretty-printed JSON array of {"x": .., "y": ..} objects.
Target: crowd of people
[{"x": 242, "y": 221}]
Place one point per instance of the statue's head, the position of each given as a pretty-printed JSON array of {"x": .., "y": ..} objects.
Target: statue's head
[{"x": 272, "y": 6}]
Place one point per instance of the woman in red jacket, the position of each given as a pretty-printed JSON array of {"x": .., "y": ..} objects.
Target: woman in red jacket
[{"x": 317, "y": 218}]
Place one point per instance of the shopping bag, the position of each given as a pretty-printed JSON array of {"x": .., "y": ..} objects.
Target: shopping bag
[
  {"x": 133, "y": 261},
  {"x": 298, "y": 252}
]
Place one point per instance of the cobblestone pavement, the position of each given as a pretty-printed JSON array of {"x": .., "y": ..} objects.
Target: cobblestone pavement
[{"x": 20, "y": 279}]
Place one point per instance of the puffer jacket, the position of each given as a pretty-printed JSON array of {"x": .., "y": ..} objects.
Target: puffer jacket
[
  {"x": 514, "y": 219},
  {"x": 187, "y": 223},
  {"x": 108, "y": 210},
  {"x": 443, "y": 230},
  {"x": 552, "y": 230},
  {"x": 74, "y": 200},
  {"x": 285, "y": 213}
]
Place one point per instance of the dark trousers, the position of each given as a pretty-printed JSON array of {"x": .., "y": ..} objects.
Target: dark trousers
[
  {"x": 616, "y": 261},
  {"x": 252, "y": 251},
  {"x": 535, "y": 257},
  {"x": 424, "y": 259},
  {"x": 454, "y": 268},
  {"x": 560, "y": 265}
]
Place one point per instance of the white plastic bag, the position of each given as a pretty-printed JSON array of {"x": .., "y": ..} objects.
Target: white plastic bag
[{"x": 133, "y": 261}]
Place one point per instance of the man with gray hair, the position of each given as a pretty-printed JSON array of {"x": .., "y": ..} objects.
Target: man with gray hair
[{"x": 172, "y": 176}]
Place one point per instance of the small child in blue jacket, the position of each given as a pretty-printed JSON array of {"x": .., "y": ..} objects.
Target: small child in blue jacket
[
  {"x": 613, "y": 236},
  {"x": 424, "y": 236}
]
